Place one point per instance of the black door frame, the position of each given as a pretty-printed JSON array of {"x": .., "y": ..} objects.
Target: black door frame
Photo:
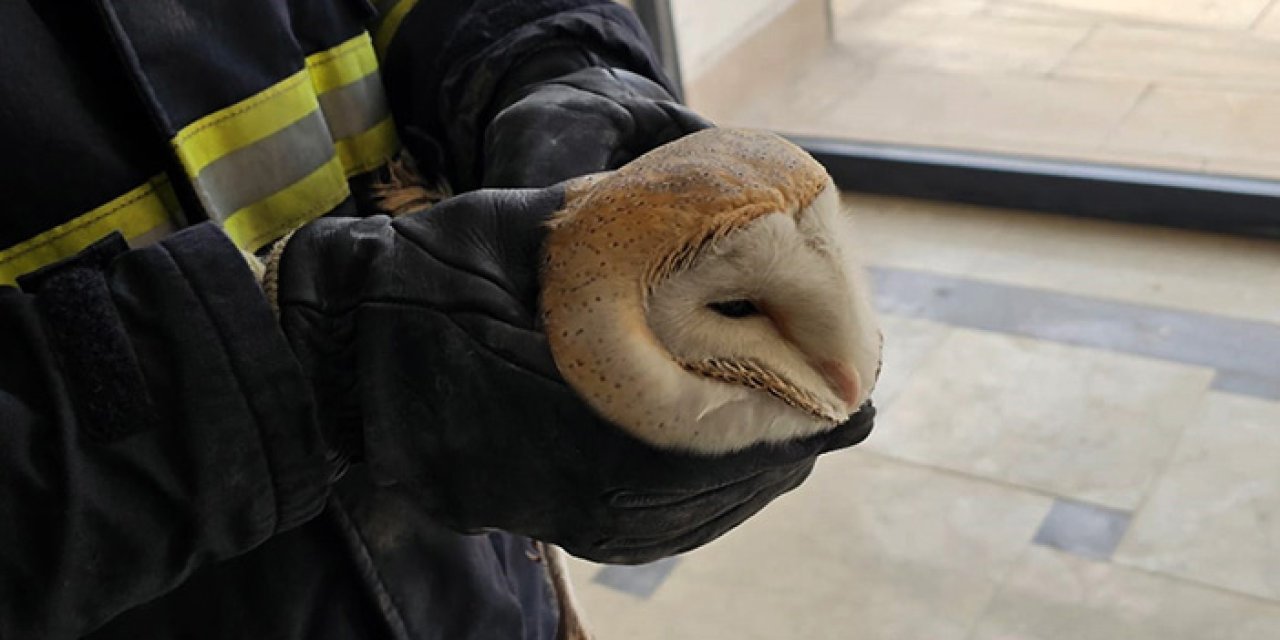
[{"x": 1224, "y": 204}]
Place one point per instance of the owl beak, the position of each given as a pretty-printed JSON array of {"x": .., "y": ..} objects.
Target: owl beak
[{"x": 843, "y": 380}]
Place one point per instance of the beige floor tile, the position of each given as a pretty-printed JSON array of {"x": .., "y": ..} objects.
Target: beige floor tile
[
  {"x": 1029, "y": 12},
  {"x": 814, "y": 91},
  {"x": 848, "y": 94},
  {"x": 1214, "y": 516},
  {"x": 1054, "y": 596},
  {"x": 971, "y": 75},
  {"x": 921, "y": 235},
  {"x": 1147, "y": 159},
  {"x": 1228, "y": 14},
  {"x": 873, "y": 9},
  {"x": 1222, "y": 275},
  {"x": 1081, "y": 423},
  {"x": 1211, "y": 124},
  {"x": 907, "y": 343},
  {"x": 982, "y": 45},
  {"x": 952, "y": 35},
  {"x": 1266, "y": 169},
  {"x": 1269, "y": 24},
  {"x": 1201, "y": 59},
  {"x": 940, "y": 109},
  {"x": 883, "y": 31},
  {"x": 867, "y": 548}
]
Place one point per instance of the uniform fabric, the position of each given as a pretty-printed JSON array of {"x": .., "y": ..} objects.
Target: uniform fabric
[
  {"x": 215, "y": 519},
  {"x": 164, "y": 471}
]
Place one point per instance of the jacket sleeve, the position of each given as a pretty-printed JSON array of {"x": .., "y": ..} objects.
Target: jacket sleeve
[
  {"x": 452, "y": 65},
  {"x": 152, "y": 420}
]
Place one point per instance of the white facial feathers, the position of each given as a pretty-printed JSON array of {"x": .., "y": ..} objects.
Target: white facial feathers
[{"x": 813, "y": 326}]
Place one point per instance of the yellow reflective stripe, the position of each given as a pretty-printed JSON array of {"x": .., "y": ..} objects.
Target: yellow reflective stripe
[
  {"x": 263, "y": 221},
  {"x": 369, "y": 150},
  {"x": 343, "y": 64},
  {"x": 141, "y": 211},
  {"x": 261, "y": 167},
  {"x": 240, "y": 125},
  {"x": 389, "y": 24}
]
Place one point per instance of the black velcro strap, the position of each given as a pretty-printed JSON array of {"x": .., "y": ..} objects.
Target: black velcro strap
[{"x": 97, "y": 358}]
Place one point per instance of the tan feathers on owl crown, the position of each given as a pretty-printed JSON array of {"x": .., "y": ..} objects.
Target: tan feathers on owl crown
[{"x": 718, "y": 186}]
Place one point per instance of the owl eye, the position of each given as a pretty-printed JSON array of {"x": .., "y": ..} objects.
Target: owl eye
[{"x": 734, "y": 308}]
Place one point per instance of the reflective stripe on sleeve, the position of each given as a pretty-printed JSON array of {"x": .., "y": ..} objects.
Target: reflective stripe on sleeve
[
  {"x": 280, "y": 158},
  {"x": 270, "y": 218},
  {"x": 260, "y": 167},
  {"x": 391, "y": 13},
  {"x": 143, "y": 215},
  {"x": 355, "y": 105}
]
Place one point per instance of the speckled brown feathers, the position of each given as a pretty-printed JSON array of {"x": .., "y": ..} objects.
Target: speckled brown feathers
[{"x": 403, "y": 189}]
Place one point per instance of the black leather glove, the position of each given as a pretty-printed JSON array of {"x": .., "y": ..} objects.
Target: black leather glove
[
  {"x": 421, "y": 337},
  {"x": 595, "y": 118}
]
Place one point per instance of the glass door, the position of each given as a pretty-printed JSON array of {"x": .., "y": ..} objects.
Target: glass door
[{"x": 1174, "y": 93}]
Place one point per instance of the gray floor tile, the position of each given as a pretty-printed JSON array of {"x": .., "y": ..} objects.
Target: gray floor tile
[
  {"x": 1083, "y": 529},
  {"x": 640, "y": 580},
  {"x": 1250, "y": 351},
  {"x": 1242, "y": 383}
]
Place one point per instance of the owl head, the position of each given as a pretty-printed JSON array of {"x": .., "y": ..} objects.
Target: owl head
[{"x": 708, "y": 296}]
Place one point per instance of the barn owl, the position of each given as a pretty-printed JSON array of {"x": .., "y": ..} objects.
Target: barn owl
[
  {"x": 708, "y": 295},
  {"x": 705, "y": 297}
]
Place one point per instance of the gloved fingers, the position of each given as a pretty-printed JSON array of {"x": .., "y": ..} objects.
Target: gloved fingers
[
  {"x": 683, "y": 119},
  {"x": 854, "y": 430},
  {"x": 694, "y": 484},
  {"x": 660, "y": 122},
  {"x": 595, "y": 119},
  {"x": 650, "y": 476},
  {"x": 551, "y": 135},
  {"x": 661, "y": 499},
  {"x": 618, "y": 84},
  {"x": 664, "y": 470},
  {"x": 521, "y": 347},
  {"x": 654, "y": 523},
  {"x": 492, "y": 234},
  {"x": 637, "y": 550}
]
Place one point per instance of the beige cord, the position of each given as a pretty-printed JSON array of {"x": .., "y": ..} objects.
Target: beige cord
[
  {"x": 255, "y": 265},
  {"x": 573, "y": 624},
  {"x": 271, "y": 273}
]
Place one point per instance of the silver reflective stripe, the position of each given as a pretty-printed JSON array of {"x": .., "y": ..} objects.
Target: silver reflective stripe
[
  {"x": 153, "y": 236},
  {"x": 354, "y": 108},
  {"x": 252, "y": 173}
]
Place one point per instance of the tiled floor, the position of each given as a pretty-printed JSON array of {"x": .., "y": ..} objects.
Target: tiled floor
[
  {"x": 1189, "y": 85},
  {"x": 1056, "y": 457}
]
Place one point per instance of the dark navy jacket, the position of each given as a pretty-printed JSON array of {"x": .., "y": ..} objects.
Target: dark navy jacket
[{"x": 238, "y": 119}]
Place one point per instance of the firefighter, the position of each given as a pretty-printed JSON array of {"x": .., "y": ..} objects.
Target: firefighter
[{"x": 370, "y": 459}]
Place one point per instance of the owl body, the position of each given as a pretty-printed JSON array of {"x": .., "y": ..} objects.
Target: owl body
[{"x": 708, "y": 296}]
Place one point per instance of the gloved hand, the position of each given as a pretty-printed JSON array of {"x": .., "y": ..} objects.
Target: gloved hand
[
  {"x": 589, "y": 118},
  {"x": 421, "y": 337}
]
